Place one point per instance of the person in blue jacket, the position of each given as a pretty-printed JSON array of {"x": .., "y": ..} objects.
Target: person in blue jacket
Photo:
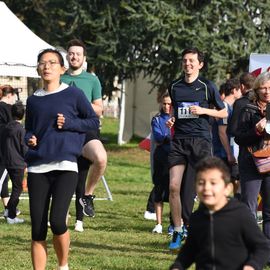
[
  {"x": 162, "y": 138},
  {"x": 57, "y": 118}
]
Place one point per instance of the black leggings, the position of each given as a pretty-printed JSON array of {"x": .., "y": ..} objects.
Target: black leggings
[
  {"x": 83, "y": 167},
  {"x": 59, "y": 186}
]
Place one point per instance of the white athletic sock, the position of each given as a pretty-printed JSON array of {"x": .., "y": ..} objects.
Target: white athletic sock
[
  {"x": 65, "y": 267},
  {"x": 178, "y": 229}
]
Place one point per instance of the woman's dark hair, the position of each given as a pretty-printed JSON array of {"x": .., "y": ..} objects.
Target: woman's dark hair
[
  {"x": 160, "y": 98},
  {"x": 214, "y": 163},
  {"x": 5, "y": 90},
  {"x": 58, "y": 54}
]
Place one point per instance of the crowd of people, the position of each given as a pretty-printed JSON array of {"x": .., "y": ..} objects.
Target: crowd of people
[
  {"x": 57, "y": 147},
  {"x": 213, "y": 135},
  {"x": 203, "y": 142}
]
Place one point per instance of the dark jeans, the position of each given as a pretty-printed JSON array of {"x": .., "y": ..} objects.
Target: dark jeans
[
  {"x": 16, "y": 177},
  {"x": 249, "y": 195}
]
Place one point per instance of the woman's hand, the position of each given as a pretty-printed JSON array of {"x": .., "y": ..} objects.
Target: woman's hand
[
  {"x": 60, "y": 120},
  {"x": 260, "y": 126},
  {"x": 32, "y": 141},
  {"x": 170, "y": 122}
]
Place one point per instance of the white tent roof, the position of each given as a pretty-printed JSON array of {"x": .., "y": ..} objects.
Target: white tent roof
[{"x": 19, "y": 46}]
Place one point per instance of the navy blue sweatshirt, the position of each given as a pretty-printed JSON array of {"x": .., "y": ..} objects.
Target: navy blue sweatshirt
[{"x": 55, "y": 144}]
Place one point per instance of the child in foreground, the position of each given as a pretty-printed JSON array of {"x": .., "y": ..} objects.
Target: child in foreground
[{"x": 223, "y": 234}]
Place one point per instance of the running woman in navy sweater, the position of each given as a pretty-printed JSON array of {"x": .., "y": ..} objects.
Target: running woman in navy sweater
[{"x": 57, "y": 118}]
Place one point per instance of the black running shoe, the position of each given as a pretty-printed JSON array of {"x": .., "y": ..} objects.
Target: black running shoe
[{"x": 88, "y": 205}]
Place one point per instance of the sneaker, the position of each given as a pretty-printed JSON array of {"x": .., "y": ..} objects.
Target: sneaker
[
  {"x": 88, "y": 205},
  {"x": 79, "y": 226},
  {"x": 170, "y": 230},
  {"x": 184, "y": 233},
  {"x": 150, "y": 216},
  {"x": 175, "y": 244},
  {"x": 157, "y": 229},
  {"x": 14, "y": 220},
  {"x": 5, "y": 214}
]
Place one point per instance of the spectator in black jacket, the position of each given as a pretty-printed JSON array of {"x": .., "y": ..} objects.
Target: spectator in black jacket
[
  {"x": 223, "y": 234},
  {"x": 246, "y": 84},
  {"x": 13, "y": 151},
  {"x": 252, "y": 134},
  {"x": 7, "y": 98}
]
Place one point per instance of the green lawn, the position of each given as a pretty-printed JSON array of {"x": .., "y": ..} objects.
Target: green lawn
[{"x": 118, "y": 237}]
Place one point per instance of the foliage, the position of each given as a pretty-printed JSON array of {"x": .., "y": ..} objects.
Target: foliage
[{"x": 126, "y": 37}]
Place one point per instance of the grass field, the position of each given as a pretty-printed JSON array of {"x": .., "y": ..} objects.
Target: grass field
[{"x": 118, "y": 237}]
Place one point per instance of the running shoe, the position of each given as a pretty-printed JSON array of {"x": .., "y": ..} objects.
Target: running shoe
[
  {"x": 87, "y": 203},
  {"x": 170, "y": 230},
  {"x": 79, "y": 226},
  {"x": 149, "y": 215},
  {"x": 175, "y": 244},
  {"x": 184, "y": 233},
  {"x": 157, "y": 229},
  {"x": 5, "y": 213},
  {"x": 14, "y": 220}
]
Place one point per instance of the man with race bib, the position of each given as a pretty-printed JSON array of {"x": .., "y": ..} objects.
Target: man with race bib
[{"x": 194, "y": 99}]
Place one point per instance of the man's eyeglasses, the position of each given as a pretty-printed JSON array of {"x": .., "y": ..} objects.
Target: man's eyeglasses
[{"x": 49, "y": 63}]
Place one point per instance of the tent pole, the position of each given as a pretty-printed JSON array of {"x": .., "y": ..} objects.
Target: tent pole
[{"x": 122, "y": 114}]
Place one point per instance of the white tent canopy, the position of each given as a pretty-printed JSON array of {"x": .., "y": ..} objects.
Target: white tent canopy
[{"x": 19, "y": 46}]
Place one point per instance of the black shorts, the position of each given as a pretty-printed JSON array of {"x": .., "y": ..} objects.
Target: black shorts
[
  {"x": 92, "y": 135},
  {"x": 189, "y": 150}
]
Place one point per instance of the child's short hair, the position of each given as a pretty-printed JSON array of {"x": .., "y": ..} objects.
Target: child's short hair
[
  {"x": 214, "y": 163},
  {"x": 17, "y": 111}
]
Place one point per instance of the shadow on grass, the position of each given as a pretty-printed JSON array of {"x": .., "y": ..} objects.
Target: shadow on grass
[
  {"x": 125, "y": 250},
  {"x": 17, "y": 243}
]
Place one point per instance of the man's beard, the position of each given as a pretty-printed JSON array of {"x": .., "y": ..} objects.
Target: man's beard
[{"x": 74, "y": 68}]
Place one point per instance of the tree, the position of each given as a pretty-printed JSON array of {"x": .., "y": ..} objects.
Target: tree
[{"x": 126, "y": 37}]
